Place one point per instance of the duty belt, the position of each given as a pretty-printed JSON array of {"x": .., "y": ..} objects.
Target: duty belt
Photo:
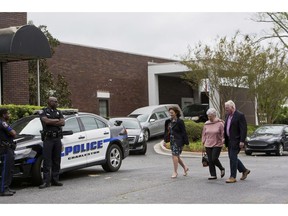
[
  {"x": 6, "y": 144},
  {"x": 53, "y": 134}
]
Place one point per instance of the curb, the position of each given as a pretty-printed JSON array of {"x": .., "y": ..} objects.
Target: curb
[{"x": 160, "y": 149}]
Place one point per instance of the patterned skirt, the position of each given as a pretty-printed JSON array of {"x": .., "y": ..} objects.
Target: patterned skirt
[{"x": 176, "y": 150}]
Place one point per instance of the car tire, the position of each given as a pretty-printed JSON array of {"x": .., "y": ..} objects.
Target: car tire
[
  {"x": 279, "y": 151},
  {"x": 114, "y": 159},
  {"x": 37, "y": 171},
  {"x": 248, "y": 152},
  {"x": 146, "y": 135},
  {"x": 144, "y": 150}
]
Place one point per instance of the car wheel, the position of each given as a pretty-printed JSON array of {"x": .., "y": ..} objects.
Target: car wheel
[
  {"x": 144, "y": 150},
  {"x": 114, "y": 159},
  {"x": 246, "y": 151},
  {"x": 146, "y": 135},
  {"x": 37, "y": 171},
  {"x": 279, "y": 151}
]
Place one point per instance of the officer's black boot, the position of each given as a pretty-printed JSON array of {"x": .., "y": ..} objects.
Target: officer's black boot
[
  {"x": 12, "y": 191},
  {"x": 6, "y": 193},
  {"x": 56, "y": 183},
  {"x": 44, "y": 185}
]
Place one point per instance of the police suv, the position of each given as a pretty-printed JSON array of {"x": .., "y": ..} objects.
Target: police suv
[{"x": 88, "y": 140}]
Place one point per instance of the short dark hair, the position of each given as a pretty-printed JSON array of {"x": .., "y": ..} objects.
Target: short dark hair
[
  {"x": 3, "y": 111},
  {"x": 176, "y": 110}
]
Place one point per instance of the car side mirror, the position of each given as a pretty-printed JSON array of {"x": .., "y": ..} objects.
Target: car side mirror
[
  {"x": 152, "y": 120},
  {"x": 70, "y": 132},
  {"x": 117, "y": 123}
]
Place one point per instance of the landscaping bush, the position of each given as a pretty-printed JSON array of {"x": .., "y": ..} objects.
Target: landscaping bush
[
  {"x": 251, "y": 129},
  {"x": 19, "y": 111},
  {"x": 194, "y": 130},
  {"x": 282, "y": 118}
]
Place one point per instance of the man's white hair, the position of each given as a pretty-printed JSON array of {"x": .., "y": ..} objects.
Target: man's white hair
[{"x": 230, "y": 103}]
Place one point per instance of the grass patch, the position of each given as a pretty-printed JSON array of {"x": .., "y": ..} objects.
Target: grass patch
[{"x": 194, "y": 147}]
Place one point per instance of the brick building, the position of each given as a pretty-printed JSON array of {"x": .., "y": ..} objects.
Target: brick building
[
  {"x": 14, "y": 73},
  {"x": 102, "y": 81},
  {"x": 106, "y": 82}
]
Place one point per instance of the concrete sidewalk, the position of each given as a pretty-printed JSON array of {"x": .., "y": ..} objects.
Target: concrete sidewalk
[{"x": 160, "y": 149}]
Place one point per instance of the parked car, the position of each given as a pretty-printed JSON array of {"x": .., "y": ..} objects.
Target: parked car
[
  {"x": 152, "y": 118},
  {"x": 196, "y": 112},
  {"x": 268, "y": 139},
  {"x": 88, "y": 140},
  {"x": 135, "y": 131}
]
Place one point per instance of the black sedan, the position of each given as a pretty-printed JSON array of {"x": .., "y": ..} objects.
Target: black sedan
[
  {"x": 268, "y": 139},
  {"x": 136, "y": 133}
]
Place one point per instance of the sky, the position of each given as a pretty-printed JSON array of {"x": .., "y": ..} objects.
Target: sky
[
  {"x": 160, "y": 28},
  {"x": 159, "y": 34}
]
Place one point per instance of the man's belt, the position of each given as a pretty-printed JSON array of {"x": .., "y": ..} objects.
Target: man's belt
[{"x": 51, "y": 134}]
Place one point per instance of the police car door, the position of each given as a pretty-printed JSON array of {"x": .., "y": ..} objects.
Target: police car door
[
  {"x": 73, "y": 154},
  {"x": 98, "y": 138}
]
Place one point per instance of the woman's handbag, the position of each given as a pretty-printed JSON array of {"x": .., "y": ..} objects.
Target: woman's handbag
[{"x": 205, "y": 161}]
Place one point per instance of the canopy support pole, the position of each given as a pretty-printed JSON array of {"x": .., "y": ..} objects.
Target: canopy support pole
[{"x": 38, "y": 82}]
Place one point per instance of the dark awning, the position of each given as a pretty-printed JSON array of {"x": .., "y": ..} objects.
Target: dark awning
[{"x": 23, "y": 43}]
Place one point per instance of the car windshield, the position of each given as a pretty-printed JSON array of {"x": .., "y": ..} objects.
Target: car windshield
[
  {"x": 30, "y": 126},
  {"x": 269, "y": 130},
  {"x": 143, "y": 117},
  {"x": 194, "y": 110},
  {"x": 130, "y": 124}
]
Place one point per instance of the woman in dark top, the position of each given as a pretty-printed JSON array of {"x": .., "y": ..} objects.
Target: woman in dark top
[{"x": 175, "y": 133}]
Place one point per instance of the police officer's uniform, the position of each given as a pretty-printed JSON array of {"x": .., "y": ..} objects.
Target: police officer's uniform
[
  {"x": 7, "y": 148},
  {"x": 52, "y": 147}
]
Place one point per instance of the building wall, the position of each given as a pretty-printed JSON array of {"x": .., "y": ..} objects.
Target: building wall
[
  {"x": 243, "y": 103},
  {"x": 15, "y": 84},
  {"x": 90, "y": 70},
  {"x": 172, "y": 89}
]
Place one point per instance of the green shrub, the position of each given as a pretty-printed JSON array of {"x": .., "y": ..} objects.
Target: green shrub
[
  {"x": 19, "y": 111},
  {"x": 194, "y": 130},
  {"x": 282, "y": 118},
  {"x": 251, "y": 129}
]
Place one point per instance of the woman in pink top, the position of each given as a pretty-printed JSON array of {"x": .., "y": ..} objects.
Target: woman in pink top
[{"x": 213, "y": 139}]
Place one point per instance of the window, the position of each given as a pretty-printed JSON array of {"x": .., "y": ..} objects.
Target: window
[
  {"x": 89, "y": 123},
  {"x": 100, "y": 124},
  {"x": 153, "y": 116},
  {"x": 161, "y": 115},
  {"x": 103, "y": 108},
  {"x": 28, "y": 126},
  {"x": 72, "y": 124}
]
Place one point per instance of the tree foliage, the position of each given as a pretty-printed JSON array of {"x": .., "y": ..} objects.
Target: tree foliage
[
  {"x": 239, "y": 62},
  {"x": 49, "y": 85},
  {"x": 279, "y": 29}
]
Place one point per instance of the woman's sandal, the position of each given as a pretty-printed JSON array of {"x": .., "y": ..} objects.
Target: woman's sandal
[
  {"x": 174, "y": 176},
  {"x": 186, "y": 171}
]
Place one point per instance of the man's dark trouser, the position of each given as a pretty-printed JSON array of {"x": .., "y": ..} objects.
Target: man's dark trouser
[
  {"x": 235, "y": 163},
  {"x": 7, "y": 158},
  {"x": 213, "y": 157},
  {"x": 52, "y": 158}
]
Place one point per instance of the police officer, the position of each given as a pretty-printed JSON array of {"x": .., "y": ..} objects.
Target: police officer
[
  {"x": 7, "y": 148},
  {"x": 52, "y": 121}
]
